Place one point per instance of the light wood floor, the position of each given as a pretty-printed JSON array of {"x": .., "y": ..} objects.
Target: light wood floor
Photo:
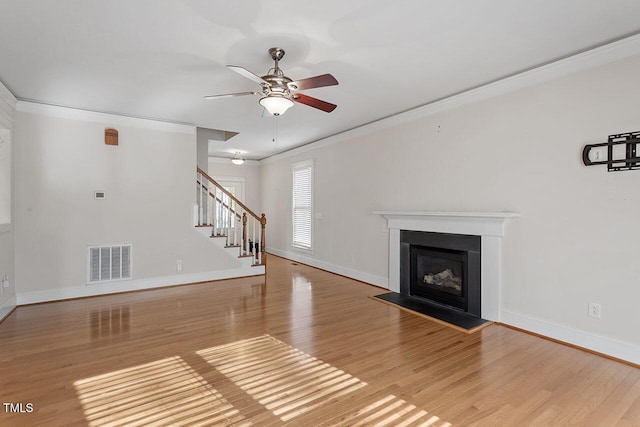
[{"x": 306, "y": 348}]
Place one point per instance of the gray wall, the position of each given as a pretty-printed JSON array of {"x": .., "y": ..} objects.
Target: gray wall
[
  {"x": 577, "y": 240},
  {"x": 149, "y": 180}
]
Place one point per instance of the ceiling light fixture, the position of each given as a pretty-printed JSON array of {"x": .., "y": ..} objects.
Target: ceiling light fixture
[
  {"x": 276, "y": 104},
  {"x": 237, "y": 159}
]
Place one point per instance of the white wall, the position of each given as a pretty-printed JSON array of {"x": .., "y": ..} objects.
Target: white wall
[
  {"x": 149, "y": 180},
  {"x": 578, "y": 238},
  {"x": 249, "y": 170},
  {"x": 7, "y": 111}
]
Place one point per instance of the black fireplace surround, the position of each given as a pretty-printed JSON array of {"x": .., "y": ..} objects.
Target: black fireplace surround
[{"x": 442, "y": 268}]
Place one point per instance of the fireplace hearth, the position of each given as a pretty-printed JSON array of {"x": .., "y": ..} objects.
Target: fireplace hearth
[{"x": 441, "y": 268}]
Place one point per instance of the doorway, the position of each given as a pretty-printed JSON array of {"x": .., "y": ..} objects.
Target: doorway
[{"x": 235, "y": 186}]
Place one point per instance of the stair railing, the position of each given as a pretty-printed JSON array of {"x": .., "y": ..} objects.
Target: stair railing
[{"x": 229, "y": 218}]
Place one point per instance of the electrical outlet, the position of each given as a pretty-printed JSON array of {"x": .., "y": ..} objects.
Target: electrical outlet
[
  {"x": 179, "y": 265},
  {"x": 595, "y": 310}
]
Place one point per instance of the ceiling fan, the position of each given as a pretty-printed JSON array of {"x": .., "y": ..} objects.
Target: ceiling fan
[{"x": 279, "y": 92}]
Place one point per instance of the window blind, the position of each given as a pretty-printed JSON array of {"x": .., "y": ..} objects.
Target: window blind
[{"x": 302, "y": 205}]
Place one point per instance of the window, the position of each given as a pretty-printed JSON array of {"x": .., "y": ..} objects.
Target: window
[{"x": 302, "y": 204}]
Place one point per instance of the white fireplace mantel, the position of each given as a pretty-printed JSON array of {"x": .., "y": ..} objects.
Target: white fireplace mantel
[{"x": 488, "y": 225}]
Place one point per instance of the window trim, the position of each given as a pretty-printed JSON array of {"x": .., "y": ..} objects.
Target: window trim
[{"x": 296, "y": 167}]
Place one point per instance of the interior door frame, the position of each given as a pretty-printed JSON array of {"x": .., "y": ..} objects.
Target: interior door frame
[{"x": 236, "y": 180}]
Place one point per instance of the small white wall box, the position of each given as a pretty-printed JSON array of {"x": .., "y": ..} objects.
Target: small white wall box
[{"x": 100, "y": 194}]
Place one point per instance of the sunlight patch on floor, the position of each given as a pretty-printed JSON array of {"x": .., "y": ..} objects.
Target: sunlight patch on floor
[
  {"x": 287, "y": 382},
  {"x": 164, "y": 392},
  {"x": 283, "y": 379},
  {"x": 392, "y": 411},
  {"x": 290, "y": 383}
]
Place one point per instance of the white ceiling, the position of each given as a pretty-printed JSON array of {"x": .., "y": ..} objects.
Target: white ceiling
[{"x": 157, "y": 59}]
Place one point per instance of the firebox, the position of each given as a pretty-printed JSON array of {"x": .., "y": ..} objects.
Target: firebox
[{"x": 442, "y": 268}]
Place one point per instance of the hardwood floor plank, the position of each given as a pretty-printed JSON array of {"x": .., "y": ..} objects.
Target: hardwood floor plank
[
  {"x": 617, "y": 402},
  {"x": 304, "y": 348}
]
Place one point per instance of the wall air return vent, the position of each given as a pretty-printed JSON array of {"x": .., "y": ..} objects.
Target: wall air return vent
[{"x": 109, "y": 263}]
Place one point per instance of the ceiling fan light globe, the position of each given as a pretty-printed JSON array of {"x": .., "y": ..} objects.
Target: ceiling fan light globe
[{"x": 276, "y": 105}]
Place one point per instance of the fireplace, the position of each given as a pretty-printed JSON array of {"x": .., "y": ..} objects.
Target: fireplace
[
  {"x": 488, "y": 227},
  {"x": 441, "y": 267}
]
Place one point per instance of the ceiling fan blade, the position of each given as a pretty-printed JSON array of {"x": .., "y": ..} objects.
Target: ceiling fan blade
[
  {"x": 313, "y": 82},
  {"x": 314, "y": 102},
  {"x": 229, "y": 95},
  {"x": 248, "y": 74}
]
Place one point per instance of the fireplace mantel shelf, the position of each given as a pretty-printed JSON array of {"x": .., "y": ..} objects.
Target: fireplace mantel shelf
[
  {"x": 477, "y": 223},
  {"x": 500, "y": 215}
]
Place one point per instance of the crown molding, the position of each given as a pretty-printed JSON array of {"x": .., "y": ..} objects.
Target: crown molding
[
  {"x": 7, "y": 96},
  {"x": 109, "y": 119},
  {"x": 601, "y": 55}
]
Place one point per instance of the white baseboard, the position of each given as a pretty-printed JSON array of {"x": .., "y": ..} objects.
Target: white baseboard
[
  {"x": 337, "y": 269},
  {"x": 610, "y": 347},
  {"x": 7, "y": 307},
  {"x": 133, "y": 285}
]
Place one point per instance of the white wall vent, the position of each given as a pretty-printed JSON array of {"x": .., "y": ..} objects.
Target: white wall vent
[{"x": 107, "y": 263}]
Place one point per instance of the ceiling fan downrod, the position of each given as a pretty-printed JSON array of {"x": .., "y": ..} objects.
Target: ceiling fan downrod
[{"x": 276, "y": 54}]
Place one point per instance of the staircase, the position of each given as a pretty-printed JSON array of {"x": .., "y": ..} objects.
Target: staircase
[{"x": 229, "y": 223}]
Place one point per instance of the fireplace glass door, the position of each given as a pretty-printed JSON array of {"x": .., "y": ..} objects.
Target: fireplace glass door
[{"x": 439, "y": 275}]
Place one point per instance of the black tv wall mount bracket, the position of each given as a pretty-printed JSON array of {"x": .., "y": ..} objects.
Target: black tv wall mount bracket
[{"x": 620, "y": 154}]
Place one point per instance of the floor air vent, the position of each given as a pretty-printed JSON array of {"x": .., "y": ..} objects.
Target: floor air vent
[{"x": 107, "y": 263}]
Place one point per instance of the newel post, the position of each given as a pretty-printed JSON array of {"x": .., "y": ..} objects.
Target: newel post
[{"x": 263, "y": 223}]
